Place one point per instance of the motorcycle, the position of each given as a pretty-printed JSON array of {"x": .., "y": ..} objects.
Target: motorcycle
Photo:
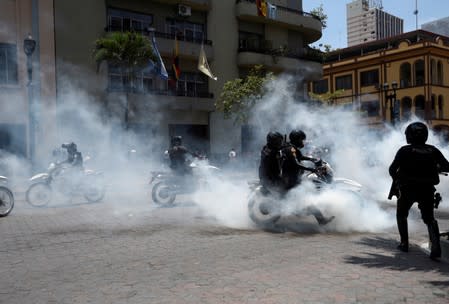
[
  {"x": 166, "y": 185},
  {"x": 265, "y": 206},
  {"x": 6, "y": 197},
  {"x": 67, "y": 180}
]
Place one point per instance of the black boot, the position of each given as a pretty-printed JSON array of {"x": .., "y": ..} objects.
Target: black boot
[
  {"x": 434, "y": 240},
  {"x": 403, "y": 233}
]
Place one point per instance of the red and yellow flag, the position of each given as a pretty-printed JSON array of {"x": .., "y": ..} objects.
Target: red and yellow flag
[
  {"x": 261, "y": 8},
  {"x": 176, "y": 69}
]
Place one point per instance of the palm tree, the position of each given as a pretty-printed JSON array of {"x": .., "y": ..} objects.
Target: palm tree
[{"x": 128, "y": 51}]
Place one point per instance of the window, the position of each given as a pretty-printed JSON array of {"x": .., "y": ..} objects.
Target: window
[
  {"x": 8, "y": 64},
  {"x": 123, "y": 21},
  {"x": 185, "y": 30},
  {"x": 192, "y": 84},
  {"x": 370, "y": 107},
  {"x": 250, "y": 41},
  {"x": 419, "y": 72},
  {"x": 143, "y": 81},
  {"x": 406, "y": 108},
  {"x": 369, "y": 78},
  {"x": 406, "y": 75},
  {"x": 320, "y": 86},
  {"x": 440, "y": 107},
  {"x": 420, "y": 106},
  {"x": 343, "y": 82}
]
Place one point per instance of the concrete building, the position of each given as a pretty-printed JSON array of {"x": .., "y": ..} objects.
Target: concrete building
[
  {"x": 23, "y": 131},
  {"x": 440, "y": 26},
  {"x": 387, "y": 81},
  {"x": 366, "y": 21},
  {"x": 234, "y": 35}
]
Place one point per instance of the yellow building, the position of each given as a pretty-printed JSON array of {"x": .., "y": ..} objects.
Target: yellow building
[{"x": 393, "y": 78}]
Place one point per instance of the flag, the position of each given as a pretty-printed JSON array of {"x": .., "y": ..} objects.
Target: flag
[
  {"x": 176, "y": 70},
  {"x": 158, "y": 66},
  {"x": 203, "y": 66},
  {"x": 261, "y": 8}
]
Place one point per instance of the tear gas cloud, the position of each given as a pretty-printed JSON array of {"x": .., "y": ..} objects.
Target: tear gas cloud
[{"x": 356, "y": 152}]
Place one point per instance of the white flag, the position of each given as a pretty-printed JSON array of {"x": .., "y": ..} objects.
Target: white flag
[{"x": 203, "y": 66}]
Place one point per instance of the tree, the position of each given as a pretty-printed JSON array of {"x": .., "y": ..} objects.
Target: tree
[
  {"x": 319, "y": 13},
  {"x": 128, "y": 51},
  {"x": 239, "y": 96}
]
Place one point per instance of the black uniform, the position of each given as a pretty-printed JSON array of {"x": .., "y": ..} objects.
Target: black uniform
[
  {"x": 178, "y": 160},
  {"x": 270, "y": 168},
  {"x": 415, "y": 169}
]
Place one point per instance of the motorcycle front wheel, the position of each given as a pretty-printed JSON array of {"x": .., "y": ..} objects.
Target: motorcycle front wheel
[
  {"x": 162, "y": 194},
  {"x": 6, "y": 201},
  {"x": 39, "y": 194}
]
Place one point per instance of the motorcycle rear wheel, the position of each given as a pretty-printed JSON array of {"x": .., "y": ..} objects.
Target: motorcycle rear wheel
[
  {"x": 6, "y": 201},
  {"x": 39, "y": 194},
  {"x": 162, "y": 195},
  {"x": 94, "y": 190},
  {"x": 263, "y": 210}
]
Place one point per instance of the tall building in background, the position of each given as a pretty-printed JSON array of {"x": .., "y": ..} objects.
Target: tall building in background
[
  {"x": 366, "y": 21},
  {"x": 440, "y": 26}
]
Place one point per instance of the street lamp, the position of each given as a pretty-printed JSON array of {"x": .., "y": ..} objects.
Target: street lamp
[
  {"x": 29, "y": 45},
  {"x": 390, "y": 97}
]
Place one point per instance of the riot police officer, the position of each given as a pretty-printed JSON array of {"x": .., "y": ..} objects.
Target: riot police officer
[
  {"x": 74, "y": 157},
  {"x": 292, "y": 169},
  {"x": 271, "y": 162},
  {"x": 178, "y": 157},
  {"x": 415, "y": 170}
]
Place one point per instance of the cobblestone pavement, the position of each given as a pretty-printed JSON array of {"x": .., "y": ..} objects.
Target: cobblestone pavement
[{"x": 98, "y": 253}]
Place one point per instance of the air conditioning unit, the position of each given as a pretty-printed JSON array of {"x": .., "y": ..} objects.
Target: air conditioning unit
[{"x": 184, "y": 10}]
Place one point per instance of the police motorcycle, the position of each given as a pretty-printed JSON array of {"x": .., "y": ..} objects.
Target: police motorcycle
[
  {"x": 265, "y": 206},
  {"x": 166, "y": 185},
  {"x": 6, "y": 197},
  {"x": 64, "y": 178}
]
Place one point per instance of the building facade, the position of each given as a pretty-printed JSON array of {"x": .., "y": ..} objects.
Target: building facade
[
  {"x": 389, "y": 80},
  {"x": 366, "y": 21},
  {"x": 27, "y": 77},
  {"x": 235, "y": 36}
]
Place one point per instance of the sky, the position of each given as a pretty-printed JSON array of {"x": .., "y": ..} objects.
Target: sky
[{"x": 335, "y": 32}]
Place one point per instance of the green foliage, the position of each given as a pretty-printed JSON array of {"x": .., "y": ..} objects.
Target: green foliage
[
  {"x": 239, "y": 96},
  {"x": 128, "y": 50},
  {"x": 319, "y": 13}
]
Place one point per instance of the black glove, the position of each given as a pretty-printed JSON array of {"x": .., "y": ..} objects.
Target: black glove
[{"x": 436, "y": 200}]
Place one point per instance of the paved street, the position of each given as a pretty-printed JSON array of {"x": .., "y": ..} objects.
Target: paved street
[{"x": 124, "y": 251}]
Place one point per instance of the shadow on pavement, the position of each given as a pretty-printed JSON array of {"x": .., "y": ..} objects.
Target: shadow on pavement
[{"x": 414, "y": 260}]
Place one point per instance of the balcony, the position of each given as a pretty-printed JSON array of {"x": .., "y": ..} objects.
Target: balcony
[
  {"x": 189, "y": 47},
  {"x": 171, "y": 100},
  {"x": 200, "y": 5},
  {"x": 280, "y": 60},
  {"x": 309, "y": 25}
]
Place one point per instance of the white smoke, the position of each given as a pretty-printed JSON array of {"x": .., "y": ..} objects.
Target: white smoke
[{"x": 357, "y": 152}]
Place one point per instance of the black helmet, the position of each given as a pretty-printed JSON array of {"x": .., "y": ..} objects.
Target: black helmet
[
  {"x": 416, "y": 133},
  {"x": 176, "y": 140},
  {"x": 274, "y": 140},
  {"x": 297, "y": 137},
  {"x": 71, "y": 147}
]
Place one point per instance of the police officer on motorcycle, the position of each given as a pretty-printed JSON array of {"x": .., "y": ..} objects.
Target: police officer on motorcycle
[
  {"x": 280, "y": 168},
  {"x": 178, "y": 157},
  {"x": 292, "y": 169},
  {"x": 74, "y": 157},
  {"x": 415, "y": 171},
  {"x": 270, "y": 167}
]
